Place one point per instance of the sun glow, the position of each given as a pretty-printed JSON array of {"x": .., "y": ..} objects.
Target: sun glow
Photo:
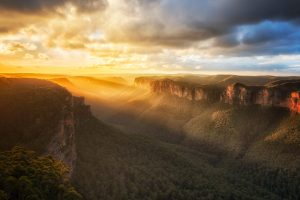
[{"x": 115, "y": 36}]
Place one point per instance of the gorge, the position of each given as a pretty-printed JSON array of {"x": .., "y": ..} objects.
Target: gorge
[{"x": 162, "y": 136}]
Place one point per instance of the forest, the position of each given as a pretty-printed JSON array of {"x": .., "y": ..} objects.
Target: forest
[
  {"x": 115, "y": 165},
  {"x": 26, "y": 176}
]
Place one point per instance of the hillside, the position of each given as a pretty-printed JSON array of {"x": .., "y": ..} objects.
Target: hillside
[
  {"x": 257, "y": 123},
  {"x": 31, "y": 111},
  {"x": 149, "y": 158}
]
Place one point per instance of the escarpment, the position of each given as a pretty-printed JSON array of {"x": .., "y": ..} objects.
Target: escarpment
[
  {"x": 185, "y": 90},
  {"x": 239, "y": 94},
  {"x": 285, "y": 94},
  {"x": 294, "y": 102},
  {"x": 41, "y": 116},
  {"x": 63, "y": 144}
]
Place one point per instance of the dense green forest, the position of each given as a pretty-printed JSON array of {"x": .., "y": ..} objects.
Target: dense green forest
[
  {"x": 115, "y": 165},
  {"x": 26, "y": 176},
  {"x": 282, "y": 182}
]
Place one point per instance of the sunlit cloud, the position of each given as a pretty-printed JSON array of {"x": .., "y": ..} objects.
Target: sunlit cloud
[{"x": 147, "y": 36}]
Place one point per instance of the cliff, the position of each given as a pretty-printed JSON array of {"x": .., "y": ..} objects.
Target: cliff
[
  {"x": 294, "y": 102},
  {"x": 62, "y": 144},
  {"x": 277, "y": 94},
  {"x": 144, "y": 82},
  {"x": 239, "y": 94},
  {"x": 284, "y": 95},
  {"x": 41, "y": 116},
  {"x": 185, "y": 90}
]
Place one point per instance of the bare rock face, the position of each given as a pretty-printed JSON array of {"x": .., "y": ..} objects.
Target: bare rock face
[
  {"x": 168, "y": 86},
  {"x": 181, "y": 89},
  {"x": 294, "y": 102},
  {"x": 239, "y": 94},
  {"x": 62, "y": 145},
  {"x": 278, "y": 94},
  {"x": 143, "y": 82}
]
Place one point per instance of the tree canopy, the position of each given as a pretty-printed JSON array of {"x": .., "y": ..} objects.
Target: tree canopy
[{"x": 24, "y": 175}]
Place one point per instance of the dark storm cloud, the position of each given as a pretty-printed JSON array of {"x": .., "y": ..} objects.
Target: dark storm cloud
[
  {"x": 224, "y": 15},
  {"x": 268, "y": 31},
  {"x": 276, "y": 47},
  {"x": 237, "y": 12},
  {"x": 268, "y": 38},
  {"x": 183, "y": 22},
  {"x": 48, "y": 5},
  {"x": 227, "y": 41}
]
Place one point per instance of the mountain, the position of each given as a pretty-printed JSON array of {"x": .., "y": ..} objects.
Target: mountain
[
  {"x": 157, "y": 146},
  {"x": 256, "y": 122}
]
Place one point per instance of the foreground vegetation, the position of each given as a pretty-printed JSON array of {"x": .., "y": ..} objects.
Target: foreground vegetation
[{"x": 26, "y": 176}]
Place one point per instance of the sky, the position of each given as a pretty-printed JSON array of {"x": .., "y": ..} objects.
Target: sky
[{"x": 150, "y": 36}]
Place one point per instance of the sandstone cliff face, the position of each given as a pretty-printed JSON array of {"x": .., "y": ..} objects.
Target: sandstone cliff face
[
  {"x": 283, "y": 94},
  {"x": 173, "y": 88},
  {"x": 286, "y": 96},
  {"x": 181, "y": 89},
  {"x": 294, "y": 102},
  {"x": 143, "y": 82},
  {"x": 62, "y": 144},
  {"x": 239, "y": 94}
]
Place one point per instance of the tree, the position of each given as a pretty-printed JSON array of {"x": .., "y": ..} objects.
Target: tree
[{"x": 26, "y": 176}]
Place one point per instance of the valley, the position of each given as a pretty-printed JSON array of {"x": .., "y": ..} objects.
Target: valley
[{"x": 174, "y": 137}]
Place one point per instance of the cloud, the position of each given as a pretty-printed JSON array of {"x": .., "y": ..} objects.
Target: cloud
[
  {"x": 267, "y": 31},
  {"x": 150, "y": 33},
  {"x": 170, "y": 23},
  {"x": 40, "y": 13},
  {"x": 267, "y": 38},
  {"x": 30, "y": 6},
  {"x": 185, "y": 22}
]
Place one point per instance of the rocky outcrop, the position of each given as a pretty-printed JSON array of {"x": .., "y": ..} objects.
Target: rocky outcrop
[
  {"x": 181, "y": 89},
  {"x": 143, "y": 82},
  {"x": 239, "y": 94},
  {"x": 294, "y": 102},
  {"x": 174, "y": 88},
  {"x": 41, "y": 116},
  {"x": 62, "y": 144},
  {"x": 278, "y": 94},
  {"x": 284, "y": 95}
]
